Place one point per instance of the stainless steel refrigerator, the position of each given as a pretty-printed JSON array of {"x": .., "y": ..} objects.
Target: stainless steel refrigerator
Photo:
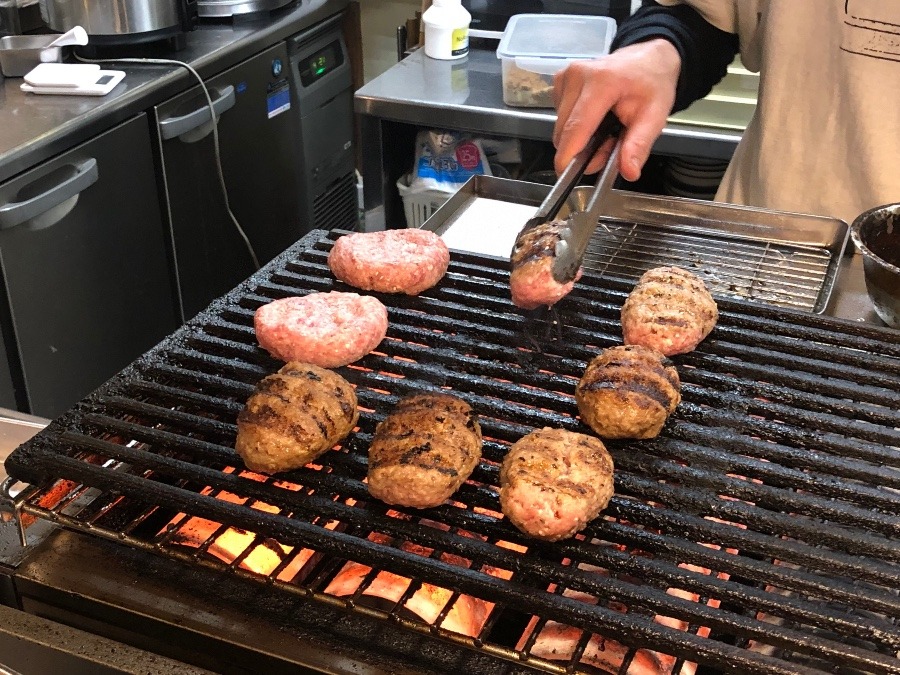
[{"x": 278, "y": 168}]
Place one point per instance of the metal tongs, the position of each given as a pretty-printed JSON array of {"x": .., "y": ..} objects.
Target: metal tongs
[{"x": 576, "y": 235}]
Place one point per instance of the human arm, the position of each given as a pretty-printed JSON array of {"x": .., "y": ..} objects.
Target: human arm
[{"x": 662, "y": 59}]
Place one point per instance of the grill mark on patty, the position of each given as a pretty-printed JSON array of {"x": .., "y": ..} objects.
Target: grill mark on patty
[
  {"x": 630, "y": 366},
  {"x": 676, "y": 321},
  {"x": 276, "y": 388},
  {"x": 301, "y": 372},
  {"x": 536, "y": 243},
  {"x": 631, "y": 386},
  {"x": 327, "y": 424},
  {"x": 263, "y": 415}
]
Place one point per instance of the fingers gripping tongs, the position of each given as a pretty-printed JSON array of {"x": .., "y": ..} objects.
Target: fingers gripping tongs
[{"x": 580, "y": 226}]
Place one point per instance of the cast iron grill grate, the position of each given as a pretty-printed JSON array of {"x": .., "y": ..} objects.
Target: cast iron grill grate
[{"x": 758, "y": 533}]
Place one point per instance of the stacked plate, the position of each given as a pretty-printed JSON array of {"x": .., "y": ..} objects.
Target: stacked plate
[{"x": 693, "y": 177}]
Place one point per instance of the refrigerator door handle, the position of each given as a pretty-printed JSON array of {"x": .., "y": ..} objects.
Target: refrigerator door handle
[
  {"x": 198, "y": 123},
  {"x": 53, "y": 203}
]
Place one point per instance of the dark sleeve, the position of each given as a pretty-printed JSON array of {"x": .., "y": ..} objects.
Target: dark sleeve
[{"x": 705, "y": 50}]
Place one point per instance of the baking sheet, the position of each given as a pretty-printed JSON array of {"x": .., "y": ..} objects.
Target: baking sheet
[{"x": 773, "y": 257}]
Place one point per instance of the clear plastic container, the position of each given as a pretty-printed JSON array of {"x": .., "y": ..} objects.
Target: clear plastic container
[{"x": 535, "y": 47}]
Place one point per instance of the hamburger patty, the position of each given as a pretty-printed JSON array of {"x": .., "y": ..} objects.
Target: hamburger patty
[
  {"x": 293, "y": 417},
  {"x": 553, "y": 482},
  {"x": 531, "y": 281},
  {"x": 628, "y": 392},
  {"x": 326, "y": 329},
  {"x": 393, "y": 261},
  {"x": 424, "y": 450},
  {"x": 669, "y": 310}
]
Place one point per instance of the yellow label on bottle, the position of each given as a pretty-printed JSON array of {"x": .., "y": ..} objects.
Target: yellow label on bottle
[{"x": 459, "y": 44}]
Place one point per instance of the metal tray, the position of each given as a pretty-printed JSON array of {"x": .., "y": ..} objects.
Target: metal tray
[
  {"x": 20, "y": 53},
  {"x": 773, "y": 257}
]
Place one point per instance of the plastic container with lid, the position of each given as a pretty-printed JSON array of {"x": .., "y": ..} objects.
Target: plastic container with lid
[
  {"x": 535, "y": 47},
  {"x": 446, "y": 29}
]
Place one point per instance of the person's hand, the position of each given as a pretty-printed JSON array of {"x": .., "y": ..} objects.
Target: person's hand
[{"x": 637, "y": 83}]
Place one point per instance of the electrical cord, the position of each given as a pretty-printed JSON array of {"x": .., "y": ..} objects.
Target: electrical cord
[{"x": 216, "y": 149}]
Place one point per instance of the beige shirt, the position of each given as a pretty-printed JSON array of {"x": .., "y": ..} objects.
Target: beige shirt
[{"x": 825, "y": 137}]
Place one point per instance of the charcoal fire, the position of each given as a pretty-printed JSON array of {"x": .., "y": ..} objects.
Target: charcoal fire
[{"x": 230, "y": 544}]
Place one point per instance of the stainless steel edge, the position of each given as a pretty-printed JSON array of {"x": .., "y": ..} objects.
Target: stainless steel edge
[
  {"x": 688, "y": 215},
  {"x": 491, "y": 187}
]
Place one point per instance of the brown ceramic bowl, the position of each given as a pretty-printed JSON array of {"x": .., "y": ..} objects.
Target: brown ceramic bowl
[{"x": 876, "y": 234}]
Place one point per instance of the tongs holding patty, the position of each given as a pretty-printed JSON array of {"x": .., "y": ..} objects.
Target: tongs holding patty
[
  {"x": 580, "y": 226},
  {"x": 576, "y": 235}
]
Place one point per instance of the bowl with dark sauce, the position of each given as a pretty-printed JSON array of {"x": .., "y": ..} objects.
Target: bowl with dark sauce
[{"x": 876, "y": 233}]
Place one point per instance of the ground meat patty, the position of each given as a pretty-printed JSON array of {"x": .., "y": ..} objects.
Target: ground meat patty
[
  {"x": 669, "y": 310},
  {"x": 293, "y": 417},
  {"x": 531, "y": 279},
  {"x": 553, "y": 482},
  {"x": 628, "y": 392},
  {"x": 424, "y": 450},
  {"x": 326, "y": 329},
  {"x": 393, "y": 261}
]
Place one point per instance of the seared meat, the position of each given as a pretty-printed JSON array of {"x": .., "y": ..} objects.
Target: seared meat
[
  {"x": 553, "y": 482},
  {"x": 628, "y": 392},
  {"x": 392, "y": 261},
  {"x": 669, "y": 310},
  {"x": 531, "y": 279},
  {"x": 293, "y": 417},
  {"x": 326, "y": 329},
  {"x": 424, "y": 450}
]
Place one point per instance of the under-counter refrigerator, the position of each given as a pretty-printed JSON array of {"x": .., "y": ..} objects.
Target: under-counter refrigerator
[
  {"x": 86, "y": 283},
  {"x": 285, "y": 126},
  {"x": 256, "y": 133}
]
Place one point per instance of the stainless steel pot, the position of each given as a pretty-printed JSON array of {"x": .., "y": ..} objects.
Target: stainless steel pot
[
  {"x": 117, "y": 18},
  {"x": 220, "y": 9},
  {"x": 876, "y": 233}
]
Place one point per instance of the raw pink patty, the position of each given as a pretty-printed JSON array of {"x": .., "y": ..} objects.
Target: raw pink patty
[
  {"x": 393, "y": 261},
  {"x": 532, "y": 285},
  {"x": 326, "y": 329}
]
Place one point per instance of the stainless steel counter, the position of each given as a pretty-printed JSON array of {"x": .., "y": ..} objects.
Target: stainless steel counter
[
  {"x": 468, "y": 94},
  {"x": 37, "y": 127}
]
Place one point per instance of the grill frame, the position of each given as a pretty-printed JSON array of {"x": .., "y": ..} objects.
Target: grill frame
[{"x": 794, "y": 370}]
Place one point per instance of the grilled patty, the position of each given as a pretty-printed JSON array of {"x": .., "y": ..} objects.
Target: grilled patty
[
  {"x": 391, "y": 261},
  {"x": 293, "y": 417},
  {"x": 424, "y": 450},
  {"x": 669, "y": 310},
  {"x": 628, "y": 392},
  {"x": 326, "y": 329},
  {"x": 553, "y": 482},
  {"x": 531, "y": 279}
]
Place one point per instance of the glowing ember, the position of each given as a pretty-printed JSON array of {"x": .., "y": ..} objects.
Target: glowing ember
[
  {"x": 466, "y": 615},
  {"x": 232, "y": 543}
]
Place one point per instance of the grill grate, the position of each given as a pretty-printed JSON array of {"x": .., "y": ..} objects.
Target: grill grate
[{"x": 758, "y": 533}]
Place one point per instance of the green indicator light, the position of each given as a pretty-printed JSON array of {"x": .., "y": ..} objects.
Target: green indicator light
[{"x": 319, "y": 71}]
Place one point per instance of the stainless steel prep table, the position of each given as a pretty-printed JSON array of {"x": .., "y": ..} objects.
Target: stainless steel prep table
[
  {"x": 37, "y": 127},
  {"x": 468, "y": 95}
]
